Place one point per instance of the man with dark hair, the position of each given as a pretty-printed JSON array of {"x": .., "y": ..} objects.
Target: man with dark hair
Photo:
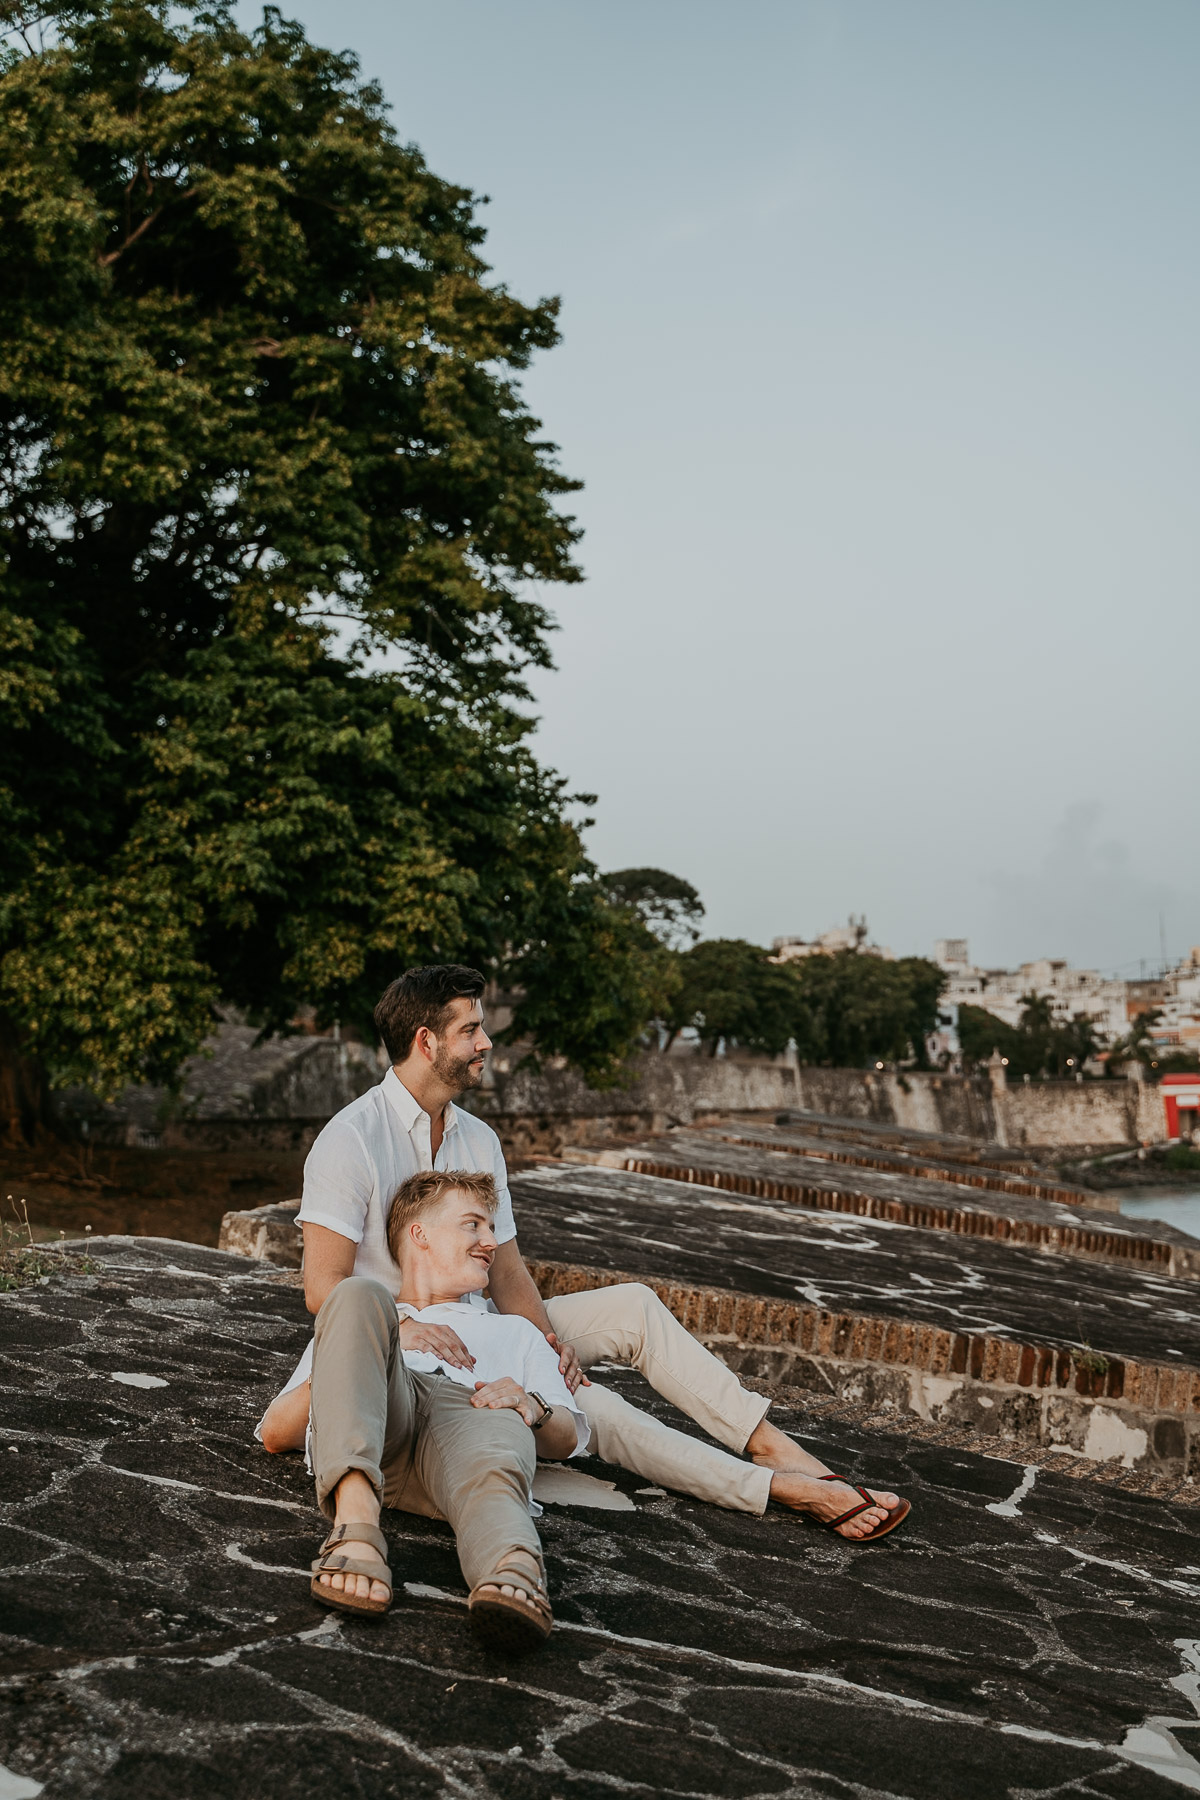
[
  {"x": 432, "y": 1023},
  {"x": 423, "y": 997}
]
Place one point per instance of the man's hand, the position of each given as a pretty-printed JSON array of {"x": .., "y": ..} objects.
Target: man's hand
[
  {"x": 568, "y": 1362},
  {"x": 505, "y": 1393},
  {"x": 438, "y": 1340}
]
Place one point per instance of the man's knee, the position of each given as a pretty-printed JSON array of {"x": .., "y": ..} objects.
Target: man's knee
[
  {"x": 634, "y": 1304},
  {"x": 361, "y": 1299},
  {"x": 511, "y": 1446}
]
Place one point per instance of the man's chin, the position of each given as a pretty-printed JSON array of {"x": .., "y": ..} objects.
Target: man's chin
[{"x": 460, "y": 1076}]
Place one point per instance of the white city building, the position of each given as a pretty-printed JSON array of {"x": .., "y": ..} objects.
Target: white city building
[
  {"x": 1071, "y": 992},
  {"x": 851, "y": 936},
  {"x": 1179, "y": 1010}
]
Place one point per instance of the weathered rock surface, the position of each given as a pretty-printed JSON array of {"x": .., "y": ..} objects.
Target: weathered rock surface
[
  {"x": 1023, "y": 1635},
  {"x": 1022, "y": 1344},
  {"x": 608, "y": 1218},
  {"x": 895, "y": 1194}
]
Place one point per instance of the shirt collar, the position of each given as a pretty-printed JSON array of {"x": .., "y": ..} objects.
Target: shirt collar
[
  {"x": 400, "y": 1100},
  {"x": 410, "y": 1111}
]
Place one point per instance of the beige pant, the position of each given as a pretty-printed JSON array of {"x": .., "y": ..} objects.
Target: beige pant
[
  {"x": 421, "y": 1444},
  {"x": 629, "y": 1324}
]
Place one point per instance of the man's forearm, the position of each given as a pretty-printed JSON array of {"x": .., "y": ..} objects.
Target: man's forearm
[
  {"x": 558, "y": 1437},
  {"x": 512, "y": 1288}
]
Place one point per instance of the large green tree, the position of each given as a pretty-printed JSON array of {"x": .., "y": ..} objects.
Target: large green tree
[
  {"x": 730, "y": 989},
  {"x": 271, "y": 515},
  {"x": 1040, "y": 1044},
  {"x": 669, "y": 907},
  {"x": 856, "y": 1009}
]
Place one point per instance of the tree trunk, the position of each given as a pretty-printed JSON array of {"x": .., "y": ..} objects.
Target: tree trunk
[{"x": 24, "y": 1093}]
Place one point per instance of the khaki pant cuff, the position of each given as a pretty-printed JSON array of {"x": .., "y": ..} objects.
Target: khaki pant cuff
[{"x": 326, "y": 1484}]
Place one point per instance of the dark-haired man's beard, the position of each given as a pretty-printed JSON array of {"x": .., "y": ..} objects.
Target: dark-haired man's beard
[{"x": 458, "y": 1072}]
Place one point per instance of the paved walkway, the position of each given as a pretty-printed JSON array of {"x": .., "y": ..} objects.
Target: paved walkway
[
  {"x": 1023, "y": 1635},
  {"x": 606, "y": 1218}
]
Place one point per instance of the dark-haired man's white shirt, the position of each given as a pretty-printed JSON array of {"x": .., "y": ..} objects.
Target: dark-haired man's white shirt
[{"x": 365, "y": 1152}]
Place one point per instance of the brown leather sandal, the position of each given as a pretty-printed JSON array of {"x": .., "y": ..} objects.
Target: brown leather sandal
[
  {"x": 327, "y": 1564},
  {"x": 895, "y": 1517},
  {"x": 505, "y": 1622}
]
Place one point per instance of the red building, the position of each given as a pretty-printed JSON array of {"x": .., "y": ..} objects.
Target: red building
[{"x": 1181, "y": 1099}]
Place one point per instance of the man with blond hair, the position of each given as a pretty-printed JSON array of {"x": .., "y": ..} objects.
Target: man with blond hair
[
  {"x": 397, "y": 1427},
  {"x": 431, "y": 1023}
]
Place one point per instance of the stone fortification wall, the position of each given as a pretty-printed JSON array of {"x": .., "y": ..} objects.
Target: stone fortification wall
[
  {"x": 957, "y": 1104},
  {"x": 280, "y": 1092},
  {"x": 1068, "y": 1113},
  {"x": 239, "y": 1092},
  {"x": 541, "y": 1111}
]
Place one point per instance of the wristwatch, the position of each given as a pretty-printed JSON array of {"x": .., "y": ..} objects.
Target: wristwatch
[{"x": 547, "y": 1412}]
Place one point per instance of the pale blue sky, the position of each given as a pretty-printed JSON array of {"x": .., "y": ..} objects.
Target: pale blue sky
[{"x": 880, "y": 367}]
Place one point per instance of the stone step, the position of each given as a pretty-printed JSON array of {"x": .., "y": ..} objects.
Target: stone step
[
  {"x": 1023, "y": 1180},
  {"x": 810, "y": 1181},
  {"x": 1036, "y": 1346}
]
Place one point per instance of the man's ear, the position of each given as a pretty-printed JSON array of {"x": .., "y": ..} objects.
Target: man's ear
[
  {"x": 425, "y": 1043},
  {"x": 417, "y": 1233}
]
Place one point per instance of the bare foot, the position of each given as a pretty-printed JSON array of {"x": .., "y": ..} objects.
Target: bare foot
[
  {"x": 357, "y": 1504},
  {"x": 771, "y": 1448},
  {"x": 829, "y": 1499},
  {"x": 510, "y": 1593},
  {"x": 359, "y": 1585}
]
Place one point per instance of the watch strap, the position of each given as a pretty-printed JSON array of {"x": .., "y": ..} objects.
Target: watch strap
[{"x": 546, "y": 1411}]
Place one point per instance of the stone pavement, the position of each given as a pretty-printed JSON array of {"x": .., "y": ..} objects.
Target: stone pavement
[
  {"x": 1014, "y": 1210},
  {"x": 1023, "y": 1635},
  {"x": 1035, "y": 1347},
  {"x": 607, "y": 1218}
]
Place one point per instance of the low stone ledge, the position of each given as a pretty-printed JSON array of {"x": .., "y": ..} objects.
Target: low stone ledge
[
  {"x": 1146, "y": 1414},
  {"x": 266, "y": 1233},
  {"x": 987, "y": 1176},
  {"x": 1072, "y": 1240}
]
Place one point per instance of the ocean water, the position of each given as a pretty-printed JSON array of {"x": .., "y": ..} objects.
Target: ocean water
[{"x": 1174, "y": 1206}]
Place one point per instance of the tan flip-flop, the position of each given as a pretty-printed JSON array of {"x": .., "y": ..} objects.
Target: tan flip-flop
[
  {"x": 328, "y": 1564},
  {"x": 503, "y": 1621},
  {"x": 895, "y": 1517}
]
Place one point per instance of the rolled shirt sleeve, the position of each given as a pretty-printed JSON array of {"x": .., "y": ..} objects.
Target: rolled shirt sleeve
[{"x": 337, "y": 1184}]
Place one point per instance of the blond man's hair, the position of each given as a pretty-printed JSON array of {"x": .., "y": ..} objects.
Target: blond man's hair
[{"x": 422, "y": 1192}]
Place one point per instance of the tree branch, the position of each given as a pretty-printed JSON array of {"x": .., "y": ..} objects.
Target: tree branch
[{"x": 150, "y": 219}]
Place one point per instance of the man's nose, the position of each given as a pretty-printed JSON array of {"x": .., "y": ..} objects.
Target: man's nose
[
  {"x": 487, "y": 1241},
  {"x": 482, "y": 1040}
]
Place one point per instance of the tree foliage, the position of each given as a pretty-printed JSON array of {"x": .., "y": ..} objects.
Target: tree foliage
[
  {"x": 855, "y": 1010},
  {"x": 270, "y": 508},
  {"x": 732, "y": 990},
  {"x": 1038, "y": 1045},
  {"x": 667, "y": 905},
  {"x": 847, "y": 1010}
]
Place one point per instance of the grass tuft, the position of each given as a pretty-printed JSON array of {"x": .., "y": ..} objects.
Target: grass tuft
[{"x": 26, "y": 1262}]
